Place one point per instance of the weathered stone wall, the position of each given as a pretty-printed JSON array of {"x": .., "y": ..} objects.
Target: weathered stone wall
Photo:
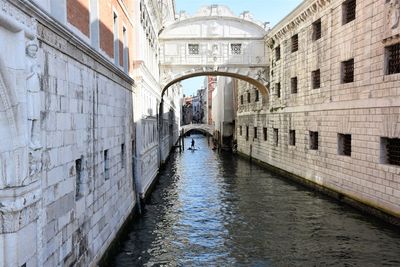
[
  {"x": 87, "y": 113},
  {"x": 367, "y": 108},
  {"x": 66, "y": 187}
]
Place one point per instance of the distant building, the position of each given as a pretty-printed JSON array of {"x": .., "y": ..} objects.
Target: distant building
[{"x": 187, "y": 110}]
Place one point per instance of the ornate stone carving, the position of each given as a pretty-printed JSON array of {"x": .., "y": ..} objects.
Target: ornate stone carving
[
  {"x": 392, "y": 16},
  {"x": 33, "y": 94}
]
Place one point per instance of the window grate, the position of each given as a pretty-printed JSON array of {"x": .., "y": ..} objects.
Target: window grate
[
  {"x": 293, "y": 84},
  {"x": 257, "y": 95},
  {"x": 276, "y": 136},
  {"x": 393, "y": 151},
  {"x": 240, "y": 130},
  {"x": 295, "y": 43},
  {"x": 241, "y": 99},
  {"x": 393, "y": 59},
  {"x": 265, "y": 132},
  {"x": 316, "y": 79},
  {"x": 344, "y": 143},
  {"x": 78, "y": 173},
  {"x": 349, "y": 11},
  {"x": 255, "y": 132},
  {"x": 317, "y": 30},
  {"x": 193, "y": 49},
  {"x": 278, "y": 53},
  {"x": 348, "y": 71},
  {"x": 313, "y": 140},
  {"x": 247, "y": 133},
  {"x": 236, "y": 49},
  {"x": 278, "y": 89},
  {"x": 248, "y": 97},
  {"x": 292, "y": 137}
]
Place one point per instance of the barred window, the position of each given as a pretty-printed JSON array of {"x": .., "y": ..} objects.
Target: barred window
[
  {"x": 293, "y": 85},
  {"x": 247, "y": 133},
  {"x": 276, "y": 136},
  {"x": 257, "y": 95},
  {"x": 265, "y": 132},
  {"x": 236, "y": 49},
  {"x": 194, "y": 49},
  {"x": 344, "y": 144},
  {"x": 248, "y": 97},
  {"x": 393, "y": 59},
  {"x": 295, "y": 43},
  {"x": 292, "y": 137},
  {"x": 78, "y": 175},
  {"x": 255, "y": 132},
  {"x": 390, "y": 151},
  {"x": 349, "y": 11},
  {"x": 348, "y": 71},
  {"x": 313, "y": 140},
  {"x": 106, "y": 165},
  {"x": 317, "y": 30},
  {"x": 241, "y": 99},
  {"x": 316, "y": 79},
  {"x": 123, "y": 158},
  {"x": 240, "y": 130},
  {"x": 278, "y": 89},
  {"x": 278, "y": 53}
]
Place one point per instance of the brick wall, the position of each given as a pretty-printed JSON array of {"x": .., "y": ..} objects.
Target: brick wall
[{"x": 78, "y": 15}]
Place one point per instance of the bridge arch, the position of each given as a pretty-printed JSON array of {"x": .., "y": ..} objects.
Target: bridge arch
[{"x": 205, "y": 128}]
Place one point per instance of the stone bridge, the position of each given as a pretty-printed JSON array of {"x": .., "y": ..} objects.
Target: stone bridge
[
  {"x": 205, "y": 128},
  {"x": 214, "y": 42}
]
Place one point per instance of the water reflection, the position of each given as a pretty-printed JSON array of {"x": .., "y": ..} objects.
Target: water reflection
[{"x": 219, "y": 210}]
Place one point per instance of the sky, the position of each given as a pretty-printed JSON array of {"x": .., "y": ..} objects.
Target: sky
[{"x": 264, "y": 10}]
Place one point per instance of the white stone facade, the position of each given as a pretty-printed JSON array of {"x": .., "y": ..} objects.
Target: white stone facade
[
  {"x": 66, "y": 186},
  {"x": 365, "y": 108}
]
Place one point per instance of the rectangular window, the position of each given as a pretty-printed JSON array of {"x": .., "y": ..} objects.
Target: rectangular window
[
  {"x": 393, "y": 59},
  {"x": 293, "y": 85},
  {"x": 278, "y": 89},
  {"x": 236, "y": 49},
  {"x": 313, "y": 140},
  {"x": 348, "y": 71},
  {"x": 349, "y": 11},
  {"x": 78, "y": 175},
  {"x": 248, "y": 97},
  {"x": 277, "y": 53},
  {"x": 344, "y": 144},
  {"x": 316, "y": 79},
  {"x": 106, "y": 165},
  {"x": 390, "y": 151},
  {"x": 240, "y": 130},
  {"x": 265, "y": 132},
  {"x": 255, "y": 132},
  {"x": 292, "y": 137},
  {"x": 276, "y": 136},
  {"x": 295, "y": 43},
  {"x": 194, "y": 49},
  {"x": 317, "y": 30},
  {"x": 125, "y": 56},
  {"x": 123, "y": 158},
  {"x": 247, "y": 133},
  {"x": 241, "y": 99},
  {"x": 257, "y": 95},
  {"x": 116, "y": 40}
]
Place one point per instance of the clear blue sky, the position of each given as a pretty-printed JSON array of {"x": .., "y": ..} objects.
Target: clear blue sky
[{"x": 264, "y": 10}]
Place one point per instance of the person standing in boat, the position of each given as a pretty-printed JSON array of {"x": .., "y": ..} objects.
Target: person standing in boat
[{"x": 192, "y": 146}]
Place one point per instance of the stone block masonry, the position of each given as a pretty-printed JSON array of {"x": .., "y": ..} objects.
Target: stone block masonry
[
  {"x": 338, "y": 125},
  {"x": 68, "y": 122}
]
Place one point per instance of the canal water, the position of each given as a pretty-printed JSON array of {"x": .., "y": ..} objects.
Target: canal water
[{"x": 212, "y": 209}]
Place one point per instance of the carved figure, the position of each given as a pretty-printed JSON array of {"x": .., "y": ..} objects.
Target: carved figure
[
  {"x": 33, "y": 94},
  {"x": 394, "y": 13}
]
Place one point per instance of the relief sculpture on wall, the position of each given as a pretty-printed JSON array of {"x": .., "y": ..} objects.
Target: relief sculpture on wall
[
  {"x": 33, "y": 94},
  {"x": 392, "y": 15}
]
